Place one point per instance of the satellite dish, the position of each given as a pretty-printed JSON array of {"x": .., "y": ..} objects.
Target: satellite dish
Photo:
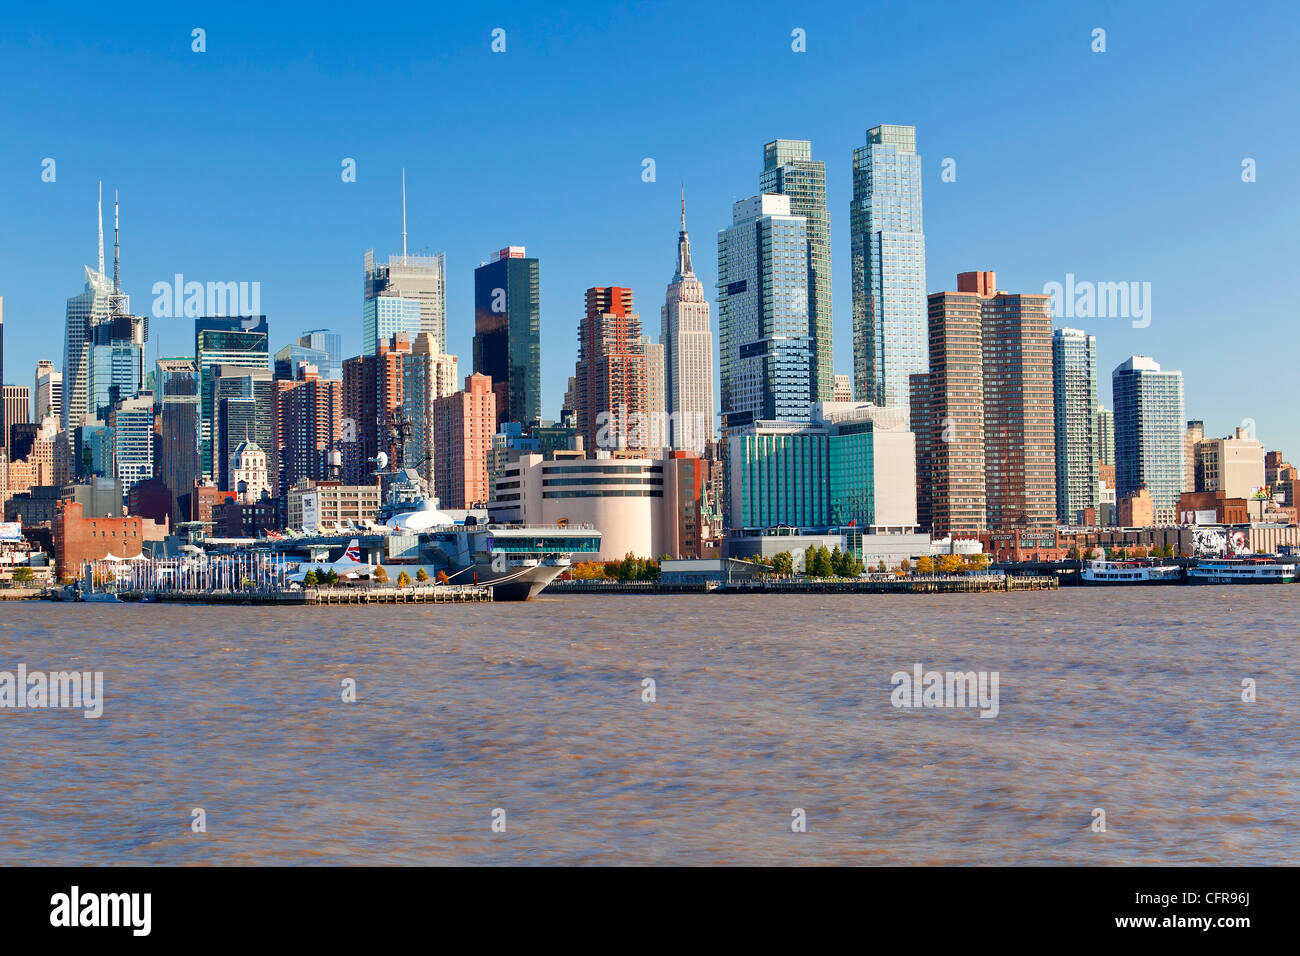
[{"x": 381, "y": 461}]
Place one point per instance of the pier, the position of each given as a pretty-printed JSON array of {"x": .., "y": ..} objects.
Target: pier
[
  {"x": 913, "y": 584},
  {"x": 421, "y": 594}
]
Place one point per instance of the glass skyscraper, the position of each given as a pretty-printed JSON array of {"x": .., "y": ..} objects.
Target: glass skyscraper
[
  {"x": 385, "y": 315},
  {"x": 319, "y": 347},
  {"x": 1148, "y": 430},
  {"x": 888, "y": 263},
  {"x": 765, "y": 350},
  {"x": 1074, "y": 378},
  {"x": 224, "y": 341},
  {"x": 85, "y": 311},
  {"x": 419, "y": 278},
  {"x": 507, "y": 332},
  {"x": 789, "y": 170}
]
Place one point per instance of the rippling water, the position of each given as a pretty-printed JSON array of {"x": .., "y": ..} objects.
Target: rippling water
[{"x": 1124, "y": 699}]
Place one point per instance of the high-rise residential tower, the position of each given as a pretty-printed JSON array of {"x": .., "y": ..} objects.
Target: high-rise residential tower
[
  {"x": 1149, "y": 431},
  {"x": 427, "y": 376},
  {"x": 888, "y": 265},
  {"x": 991, "y": 443},
  {"x": 611, "y": 377},
  {"x": 789, "y": 170},
  {"x": 507, "y": 337},
  {"x": 1074, "y": 376},
  {"x": 688, "y": 353},
  {"x": 1195, "y": 432},
  {"x": 766, "y": 356},
  {"x": 1105, "y": 435}
]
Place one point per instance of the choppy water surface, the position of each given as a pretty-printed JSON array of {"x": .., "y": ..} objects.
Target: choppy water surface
[{"x": 1124, "y": 699}]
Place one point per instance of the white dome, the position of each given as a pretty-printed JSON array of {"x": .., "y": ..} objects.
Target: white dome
[{"x": 426, "y": 517}]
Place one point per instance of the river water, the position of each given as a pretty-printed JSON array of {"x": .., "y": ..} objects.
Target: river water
[{"x": 1125, "y": 700}]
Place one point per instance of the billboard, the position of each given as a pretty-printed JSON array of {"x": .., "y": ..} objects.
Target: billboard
[
  {"x": 11, "y": 531},
  {"x": 1209, "y": 542},
  {"x": 310, "y": 512}
]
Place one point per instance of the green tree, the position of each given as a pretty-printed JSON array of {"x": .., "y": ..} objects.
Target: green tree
[
  {"x": 309, "y": 579},
  {"x": 882, "y": 567},
  {"x": 331, "y": 577},
  {"x": 821, "y": 565},
  {"x": 23, "y": 576},
  {"x": 421, "y": 575},
  {"x": 783, "y": 563},
  {"x": 837, "y": 562}
]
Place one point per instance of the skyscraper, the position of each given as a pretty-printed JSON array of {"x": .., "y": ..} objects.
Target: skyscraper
[
  {"x": 688, "y": 353},
  {"x": 306, "y": 429},
  {"x": 611, "y": 374},
  {"x": 888, "y": 264},
  {"x": 244, "y": 406},
  {"x": 1105, "y": 435},
  {"x": 385, "y": 315},
  {"x": 1149, "y": 431},
  {"x": 507, "y": 338},
  {"x": 320, "y": 348},
  {"x": 789, "y": 170},
  {"x": 421, "y": 279},
  {"x": 177, "y": 396},
  {"x": 766, "y": 356},
  {"x": 15, "y": 408},
  {"x": 991, "y": 443},
  {"x": 1191, "y": 460},
  {"x": 1074, "y": 376},
  {"x": 657, "y": 420},
  {"x": 84, "y": 312},
  {"x": 132, "y": 427},
  {"x": 225, "y": 341}
]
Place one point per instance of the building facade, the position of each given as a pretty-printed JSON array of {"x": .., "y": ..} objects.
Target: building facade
[
  {"x": 1149, "y": 430},
  {"x": 611, "y": 377},
  {"x": 1074, "y": 376},
  {"x": 507, "y": 332},
  {"x": 464, "y": 424},
  {"x": 888, "y": 265},
  {"x": 688, "y": 353},
  {"x": 789, "y": 170}
]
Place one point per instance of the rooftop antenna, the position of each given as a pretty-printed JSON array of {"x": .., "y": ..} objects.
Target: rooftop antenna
[
  {"x": 683, "y": 206},
  {"x": 101, "y": 227},
  {"x": 403, "y": 214}
]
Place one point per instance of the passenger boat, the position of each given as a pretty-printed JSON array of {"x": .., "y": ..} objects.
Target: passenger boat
[
  {"x": 1255, "y": 569},
  {"x": 1130, "y": 572}
]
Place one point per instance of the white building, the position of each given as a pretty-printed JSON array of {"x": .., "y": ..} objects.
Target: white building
[{"x": 249, "y": 472}]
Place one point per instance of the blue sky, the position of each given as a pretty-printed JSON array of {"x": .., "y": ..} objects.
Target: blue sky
[{"x": 1115, "y": 166}]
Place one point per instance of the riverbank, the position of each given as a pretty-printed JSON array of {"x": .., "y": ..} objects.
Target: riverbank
[{"x": 914, "y": 584}]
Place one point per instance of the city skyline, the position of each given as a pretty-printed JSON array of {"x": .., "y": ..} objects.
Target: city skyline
[{"x": 1062, "y": 221}]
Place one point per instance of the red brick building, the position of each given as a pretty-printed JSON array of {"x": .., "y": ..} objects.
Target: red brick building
[
  {"x": 463, "y": 426},
  {"x": 78, "y": 539},
  {"x": 610, "y": 378}
]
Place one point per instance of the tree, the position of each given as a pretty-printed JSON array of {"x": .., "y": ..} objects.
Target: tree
[
  {"x": 403, "y": 579},
  {"x": 783, "y": 563},
  {"x": 905, "y": 566},
  {"x": 950, "y": 564},
  {"x": 379, "y": 574},
  {"x": 309, "y": 579},
  {"x": 821, "y": 563},
  {"x": 421, "y": 575},
  {"x": 837, "y": 562},
  {"x": 979, "y": 562},
  {"x": 881, "y": 566},
  {"x": 925, "y": 564},
  {"x": 23, "y": 576},
  {"x": 331, "y": 577}
]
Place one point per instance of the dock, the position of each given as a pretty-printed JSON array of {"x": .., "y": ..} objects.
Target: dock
[
  {"x": 912, "y": 584},
  {"x": 422, "y": 594}
]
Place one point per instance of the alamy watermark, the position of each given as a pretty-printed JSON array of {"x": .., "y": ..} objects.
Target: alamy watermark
[
  {"x": 72, "y": 690},
  {"x": 1075, "y": 299},
  {"x": 180, "y": 299},
  {"x": 929, "y": 689}
]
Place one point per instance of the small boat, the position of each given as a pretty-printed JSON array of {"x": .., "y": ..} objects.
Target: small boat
[
  {"x": 1256, "y": 569},
  {"x": 1130, "y": 572}
]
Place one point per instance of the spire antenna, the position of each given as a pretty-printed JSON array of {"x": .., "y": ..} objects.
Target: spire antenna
[
  {"x": 101, "y": 227},
  {"x": 403, "y": 214},
  {"x": 116, "y": 285},
  {"x": 683, "y": 207}
]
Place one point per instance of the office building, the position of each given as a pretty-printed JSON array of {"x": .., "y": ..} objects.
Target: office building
[
  {"x": 1234, "y": 466},
  {"x": 1191, "y": 437},
  {"x": 427, "y": 375},
  {"x": 307, "y": 430},
  {"x": 687, "y": 340},
  {"x": 221, "y": 340},
  {"x": 507, "y": 337},
  {"x": 789, "y": 170},
  {"x": 421, "y": 280},
  {"x": 766, "y": 371}
]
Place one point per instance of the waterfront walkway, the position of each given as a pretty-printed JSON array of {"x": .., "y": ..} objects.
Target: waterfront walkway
[{"x": 418, "y": 594}]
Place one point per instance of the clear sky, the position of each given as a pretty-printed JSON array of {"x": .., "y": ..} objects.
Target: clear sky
[{"x": 1117, "y": 166}]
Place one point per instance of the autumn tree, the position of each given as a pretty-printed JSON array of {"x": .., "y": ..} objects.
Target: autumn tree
[{"x": 380, "y": 575}]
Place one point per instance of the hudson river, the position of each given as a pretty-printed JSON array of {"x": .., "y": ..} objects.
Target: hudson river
[{"x": 1126, "y": 700}]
